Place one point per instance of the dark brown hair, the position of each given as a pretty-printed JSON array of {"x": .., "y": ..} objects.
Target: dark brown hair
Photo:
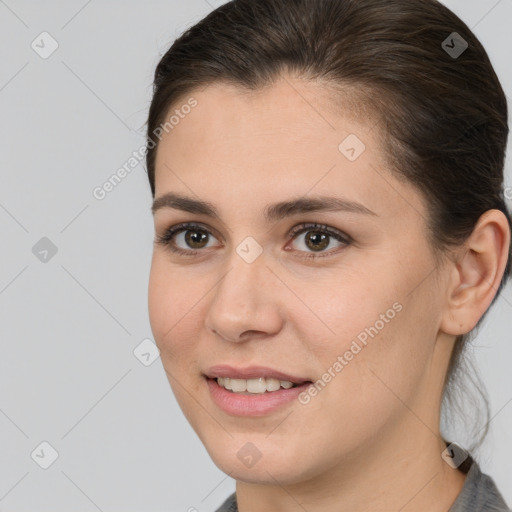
[{"x": 443, "y": 115}]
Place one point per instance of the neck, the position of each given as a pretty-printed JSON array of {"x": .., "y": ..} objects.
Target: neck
[
  {"x": 401, "y": 469},
  {"x": 410, "y": 476}
]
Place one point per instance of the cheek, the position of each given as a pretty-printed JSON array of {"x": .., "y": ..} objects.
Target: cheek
[
  {"x": 173, "y": 309},
  {"x": 366, "y": 343},
  {"x": 159, "y": 299},
  {"x": 342, "y": 309},
  {"x": 173, "y": 303}
]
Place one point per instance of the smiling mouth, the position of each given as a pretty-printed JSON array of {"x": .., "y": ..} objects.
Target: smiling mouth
[{"x": 255, "y": 386}]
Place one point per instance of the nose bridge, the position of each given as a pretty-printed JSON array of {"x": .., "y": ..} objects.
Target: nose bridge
[
  {"x": 245, "y": 272},
  {"x": 241, "y": 301},
  {"x": 246, "y": 263}
]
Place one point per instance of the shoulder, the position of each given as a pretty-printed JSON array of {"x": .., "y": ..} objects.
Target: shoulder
[
  {"x": 230, "y": 505},
  {"x": 479, "y": 494}
]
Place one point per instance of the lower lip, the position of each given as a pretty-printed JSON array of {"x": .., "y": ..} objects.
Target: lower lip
[{"x": 252, "y": 405}]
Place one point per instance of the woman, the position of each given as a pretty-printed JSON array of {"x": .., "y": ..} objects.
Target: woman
[{"x": 330, "y": 226}]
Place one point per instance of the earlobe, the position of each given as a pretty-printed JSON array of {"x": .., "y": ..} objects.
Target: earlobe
[{"x": 476, "y": 273}]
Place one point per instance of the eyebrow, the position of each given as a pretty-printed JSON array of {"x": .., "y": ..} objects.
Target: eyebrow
[{"x": 272, "y": 212}]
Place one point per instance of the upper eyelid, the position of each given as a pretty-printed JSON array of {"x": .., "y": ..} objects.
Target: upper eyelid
[
  {"x": 312, "y": 226},
  {"x": 188, "y": 226}
]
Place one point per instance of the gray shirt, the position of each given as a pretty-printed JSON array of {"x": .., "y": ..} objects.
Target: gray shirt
[{"x": 479, "y": 493}]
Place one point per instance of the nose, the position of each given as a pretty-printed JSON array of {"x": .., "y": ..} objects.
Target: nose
[{"x": 246, "y": 302}]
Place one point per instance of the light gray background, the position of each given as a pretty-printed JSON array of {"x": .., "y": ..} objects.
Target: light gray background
[{"x": 69, "y": 327}]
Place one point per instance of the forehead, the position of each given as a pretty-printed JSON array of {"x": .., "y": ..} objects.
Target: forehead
[
  {"x": 285, "y": 139},
  {"x": 289, "y": 106}
]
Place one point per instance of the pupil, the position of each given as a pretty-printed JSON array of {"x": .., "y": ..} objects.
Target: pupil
[
  {"x": 319, "y": 240},
  {"x": 196, "y": 239}
]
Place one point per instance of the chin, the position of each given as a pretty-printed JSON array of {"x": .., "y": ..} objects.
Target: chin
[{"x": 249, "y": 465}]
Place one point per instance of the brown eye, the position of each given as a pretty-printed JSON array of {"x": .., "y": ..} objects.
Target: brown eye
[
  {"x": 187, "y": 239},
  {"x": 317, "y": 238},
  {"x": 317, "y": 241},
  {"x": 196, "y": 239}
]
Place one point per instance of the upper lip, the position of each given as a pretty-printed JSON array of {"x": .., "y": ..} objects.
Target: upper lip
[{"x": 251, "y": 372}]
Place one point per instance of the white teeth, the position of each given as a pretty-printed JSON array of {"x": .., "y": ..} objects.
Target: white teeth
[
  {"x": 274, "y": 384},
  {"x": 238, "y": 385},
  {"x": 257, "y": 386}
]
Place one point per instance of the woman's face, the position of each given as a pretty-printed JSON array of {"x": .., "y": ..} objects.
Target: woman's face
[{"x": 247, "y": 289}]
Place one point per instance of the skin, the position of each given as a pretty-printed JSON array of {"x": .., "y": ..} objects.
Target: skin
[{"x": 370, "y": 439}]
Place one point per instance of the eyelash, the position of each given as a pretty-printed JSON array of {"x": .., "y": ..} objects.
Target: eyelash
[{"x": 166, "y": 239}]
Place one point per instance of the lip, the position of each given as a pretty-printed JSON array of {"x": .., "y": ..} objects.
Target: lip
[
  {"x": 261, "y": 404},
  {"x": 252, "y": 372}
]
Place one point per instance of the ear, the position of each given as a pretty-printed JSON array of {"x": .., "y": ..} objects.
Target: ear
[{"x": 476, "y": 274}]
